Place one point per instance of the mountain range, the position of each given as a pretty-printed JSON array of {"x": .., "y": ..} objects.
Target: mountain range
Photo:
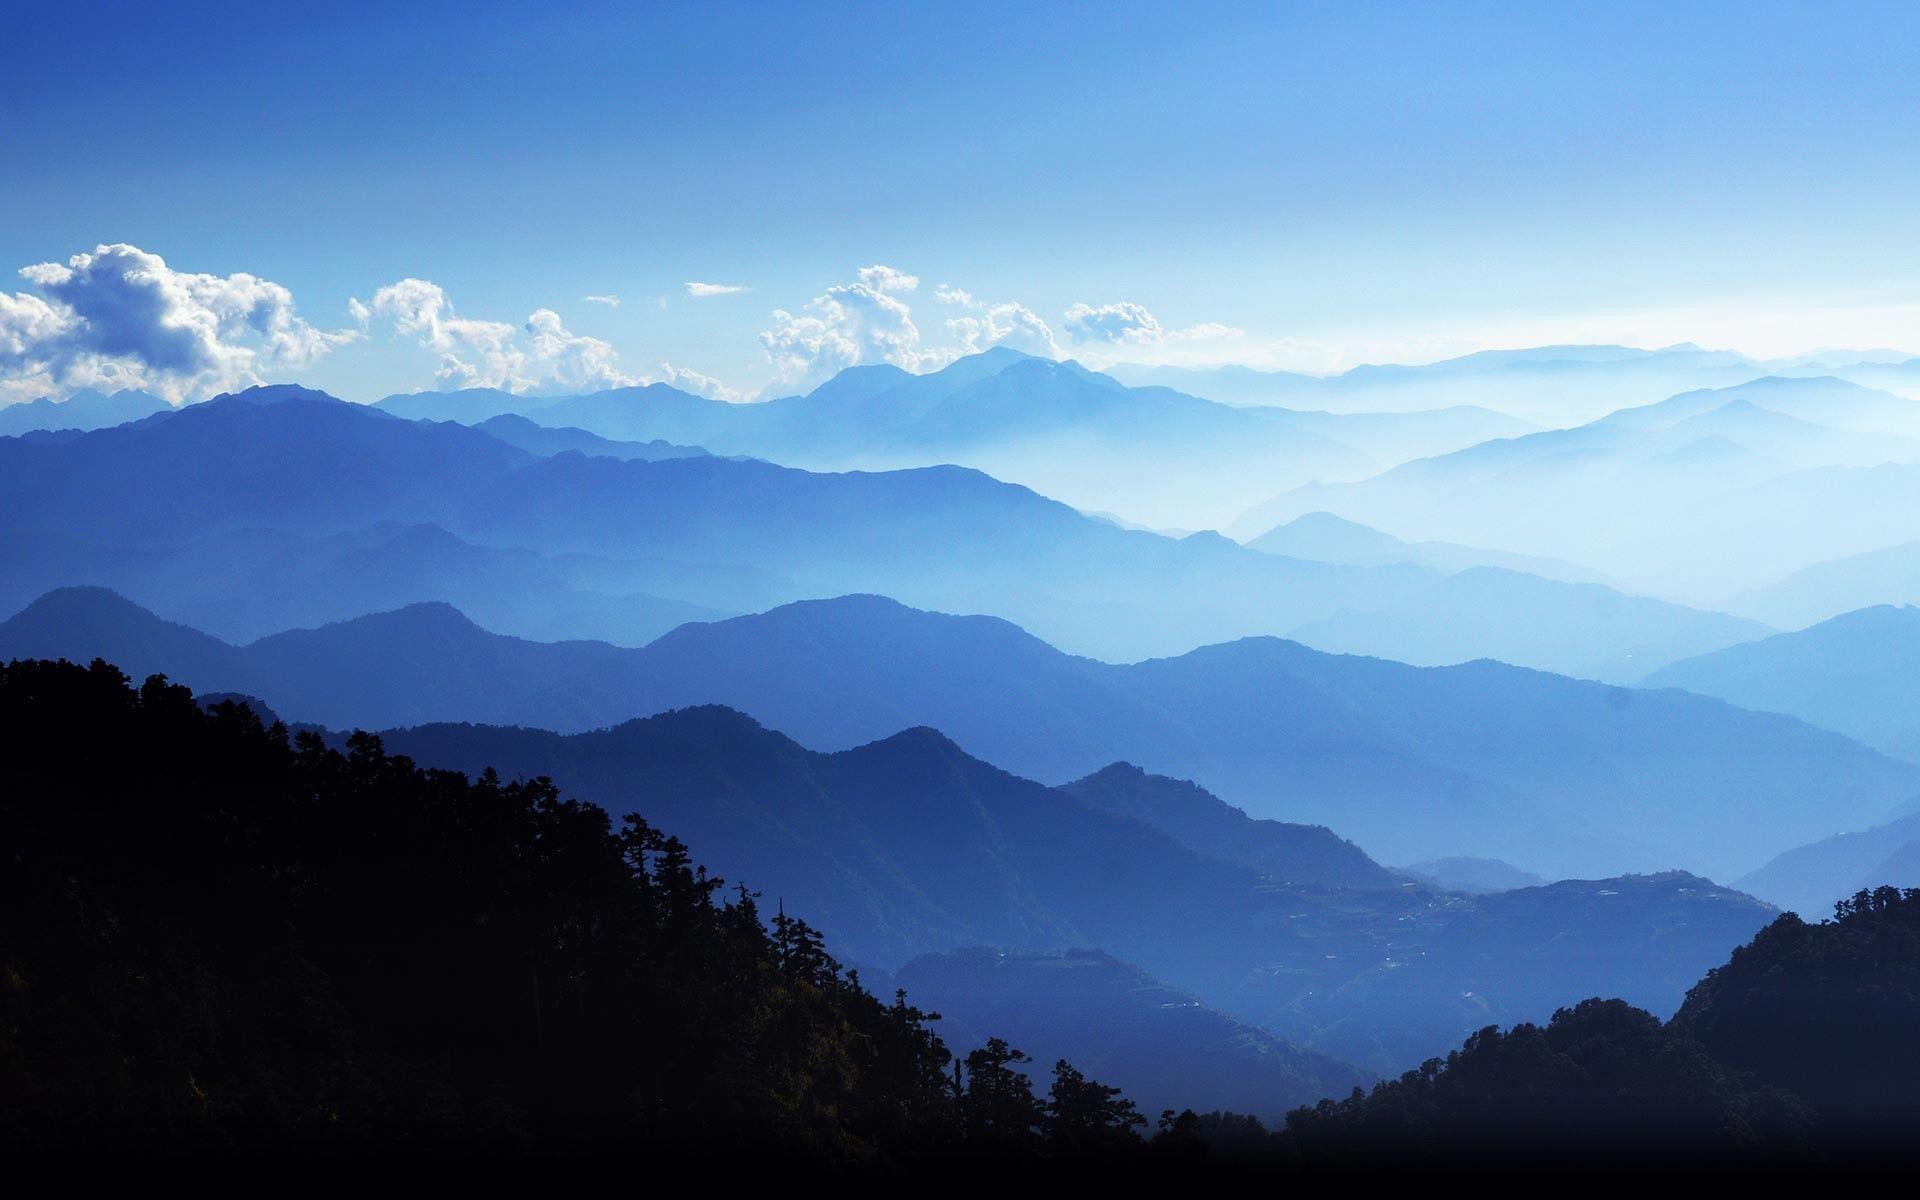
[
  {"x": 1151, "y": 454},
  {"x": 1557, "y": 775},
  {"x": 251, "y": 512},
  {"x": 1553, "y": 386},
  {"x": 1771, "y": 476},
  {"x": 84, "y": 410}
]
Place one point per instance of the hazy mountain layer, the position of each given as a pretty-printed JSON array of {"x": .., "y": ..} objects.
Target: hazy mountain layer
[
  {"x": 1549, "y": 385},
  {"x": 1152, "y": 454},
  {"x": 1324, "y": 537},
  {"x": 282, "y": 506},
  {"x": 1556, "y": 775},
  {"x": 1811, "y": 879},
  {"x": 1855, "y": 674},
  {"x": 85, "y": 409},
  {"x": 1890, "y": 575},
  {"x": 1697, "y": 496}
]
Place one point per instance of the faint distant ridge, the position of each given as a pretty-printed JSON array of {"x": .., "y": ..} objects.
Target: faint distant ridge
[
  {"x": 1016, "y": 416},
  {"x": 516, "y": 430},
  {"x": 1475, "y": 875},
  {"x": 86, "y": 409},
  {"x": 1324, "y": 537},
  {"x": 1587, "y": 380},
  {"x": 1164, "y": 1046},
  {"x": 1772, "y": 474},
  {"x": 1853, "y": 674},
  {"x": 1810, "y": 879}
]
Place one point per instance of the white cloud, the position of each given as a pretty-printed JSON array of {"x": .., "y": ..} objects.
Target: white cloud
[
  {"x": 688, "y": 380},
  {"x": 1207, "y": 331},
  {"x": 887, "y": 279},
  {"x": 1122, "y": 322},
  {"x": 473, "y": 353},
  {"x": 121, "y": 317},
  {"x": 480, "y": 353},
  {"x": 701, "y": 291},
  {"x": 1001, "y": 324},
  {"x": 572, "y": 360},
  {"x": 609, "y": 300},
  {"x": 852, "y": 323}
]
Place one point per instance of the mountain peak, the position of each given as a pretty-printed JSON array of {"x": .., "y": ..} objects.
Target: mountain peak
[{"x": 276, "y": 393}]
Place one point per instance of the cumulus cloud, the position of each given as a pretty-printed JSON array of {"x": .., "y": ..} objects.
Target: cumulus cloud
[
  {"x": 473, "y": 353},
  {"x": 1113, "y": 323},
  {"x": 887, "y": 279},
  {"x": 572, "y": 360},
  {"x": 481, "y": 353},
  {"x": 121, "y": 317},
  {"x": 996, "y": 324},
  {"x": 701, "y": 291},
  {"x": 688, "y": 380},
  {"x": 850, "y": 324},
  {"x": 610, "y": 301}
]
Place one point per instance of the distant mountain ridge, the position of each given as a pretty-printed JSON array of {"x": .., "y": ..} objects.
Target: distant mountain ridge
[
  {"x": 1811, "y": 879},
  {"x": 1854, "y": 674},
  {"x": 1152, "y": 454},
  {"x": 1324, "y": 537},
  {"x": 85, "y": 410},
  {"x": 1772, "y": 475},
  {"x": 1555, "y": 386},
  {"x": 1164, "y": 1047}
]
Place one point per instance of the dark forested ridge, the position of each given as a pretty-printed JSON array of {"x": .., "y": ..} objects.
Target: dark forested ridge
[{"x": 217, "y": 937}]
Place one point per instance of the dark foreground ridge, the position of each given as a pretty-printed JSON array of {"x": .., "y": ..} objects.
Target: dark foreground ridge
[{"x": 217, "y": 939}]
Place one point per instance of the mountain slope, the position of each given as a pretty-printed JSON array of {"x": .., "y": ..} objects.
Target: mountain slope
[
  {"x": 1811, "y": 879},
  {"x": 1201, "y": 822},
  {"x": 909, "y": 846},
  {"x": 1853, "y": 674}
]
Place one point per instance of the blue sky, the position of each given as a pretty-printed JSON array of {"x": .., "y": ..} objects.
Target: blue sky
[{"x": 1339, "y": 182}]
